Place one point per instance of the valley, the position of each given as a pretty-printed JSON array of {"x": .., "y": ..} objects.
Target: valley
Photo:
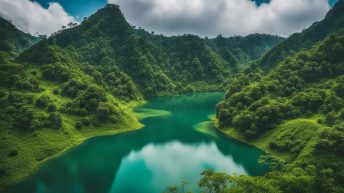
[{"x": 107, "y": 93}]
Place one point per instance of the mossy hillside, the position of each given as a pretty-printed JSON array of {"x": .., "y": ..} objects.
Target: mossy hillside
[
  {"x": 131, "y": 63},
  {"x": 303, "y": 131},
  {"x": 267, "y": 111},
  {"x": 23, "y": 151},
  {"x": 34, "y": 148},
  {"x": 12, "y": 40}
]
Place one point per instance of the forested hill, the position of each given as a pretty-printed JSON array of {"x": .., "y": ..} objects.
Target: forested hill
[
  {"x": 332, "y": 24},
  {"x": 157, "y": 65},
  {"x": 77, "y": 83},
  {"x": 295, "y": 111},
  {"x": 235, "y": 51},
  {"x": 12, "y": 40},
  {"x": 243, "y": 50}
]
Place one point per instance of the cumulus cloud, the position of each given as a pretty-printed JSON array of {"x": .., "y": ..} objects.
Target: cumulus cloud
[
  {"x": 32, "y": 18},
  {"x": 227, "y": 17},
  {"x": 162, "y": 163}
]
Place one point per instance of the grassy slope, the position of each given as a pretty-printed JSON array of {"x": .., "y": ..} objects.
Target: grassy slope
[
  {"x": 306, "y": 129},
  {"x": 36, "y": 147}
]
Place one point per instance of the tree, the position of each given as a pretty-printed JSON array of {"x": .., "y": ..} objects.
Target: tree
[
  {"x": 55, "y": 120},
  {"x": 43, "y": 101},
  {"x": 52, "y": 108},
  {"x": 104, "y": 111},
  {"x": 330, "y": 118},
  {"x": 213, "y": 182}
]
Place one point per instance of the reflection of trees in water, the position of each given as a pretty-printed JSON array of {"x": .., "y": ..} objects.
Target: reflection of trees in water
[{"x": 93, "y": 165}]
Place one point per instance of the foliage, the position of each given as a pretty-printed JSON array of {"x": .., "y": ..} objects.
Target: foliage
[
  {"x": 255, "y": 106},
  {"x": 12, "y": 40},
  {"x": 332, "y": 139},
  {"x": 332, "y": 24},
  {"x": 295, "y": 109}
]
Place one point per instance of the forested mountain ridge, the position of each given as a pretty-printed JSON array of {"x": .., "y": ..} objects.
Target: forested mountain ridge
[
  {"x": 295, "y": 112},
  {"x": 12, "y": 40},
  {"x": 76, "y": 84},
  {"x": 243, "y": 50},
  {"x": 235, "y": 51},
  {"x": 332, "y": 24},
  {"x": 156, "y": 64}
]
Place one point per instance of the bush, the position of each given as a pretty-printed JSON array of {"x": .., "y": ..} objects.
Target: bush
[
  {"x": 56, "y": 91},
  {"x": 104, "y": 111},
  {"x": 23, "y": 118},
  {"x": 330, "y": 118},
  {"x": 52, "y": 108},
  {"x": 13, "y": 153},
  {"x": 86, "y": 121},
  {"x": 42, "y": 102},
  {"x": 55, "y": 120},
  {"x": 332, "y": 140},
  {"x": 56, "y": 72},
  {"x": 78, "y": 125},
  {"x": 72, "y": 88}
]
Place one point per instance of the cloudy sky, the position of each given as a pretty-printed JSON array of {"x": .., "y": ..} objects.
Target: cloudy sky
[{"x": 174, "y": 17}]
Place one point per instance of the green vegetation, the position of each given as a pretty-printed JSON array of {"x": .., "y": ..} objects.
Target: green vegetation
[
  {"x": 36, "y": 125},
  {"x": 299, "y": 86},
  {"x": 293, "y": 111},
  {"x": 12, "y": 40},
  {"x": 83, "y": 81},
  {"x": 131, "y": 63},
  {"x": 332, "y": 24},
  {"x": 144, "y": 113}
]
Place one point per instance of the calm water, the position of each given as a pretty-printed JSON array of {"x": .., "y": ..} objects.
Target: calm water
[{"x": 169, "y": 149}]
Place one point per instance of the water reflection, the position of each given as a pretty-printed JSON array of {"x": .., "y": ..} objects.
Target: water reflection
[
  {"x": 155, "y": 161},
  {"x": 166, "y": 151}
]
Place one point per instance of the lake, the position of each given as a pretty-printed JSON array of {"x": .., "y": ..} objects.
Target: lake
[{"x": 177, "y": 143}]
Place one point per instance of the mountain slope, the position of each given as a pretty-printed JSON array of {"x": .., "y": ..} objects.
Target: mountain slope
[
  {"x": 53, "y": 104},
  {"x": 79, "y": 82},
  {"x": 157, "y": 65},
  {"x": 295, "y": 112},
  {"x": 244, "y": 50},
  {"x": 235, "y": 51},
  {"x": 332, "y": 23},
  {"x": 12, "y": 40}
]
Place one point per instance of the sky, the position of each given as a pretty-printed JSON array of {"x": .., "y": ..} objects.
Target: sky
[{"x": 174, "y": 17}]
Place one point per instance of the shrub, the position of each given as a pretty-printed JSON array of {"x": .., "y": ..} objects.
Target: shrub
[
  {"x": 13, "y": 153},
  {"x": 332, "y": 139},
  {"x": 86, "y": 121},
  {"x": 56, "y": 91},
  {"x": 78, "y": 125},
  {"x": 55, "y": 120},
  {"x": 42, "y": 102},
  {"x": 56, "y": 72},
  {"x": 104, "y": 111},
  {"x": 330, "y": 118},
  {"x": 52, "y": 108}
]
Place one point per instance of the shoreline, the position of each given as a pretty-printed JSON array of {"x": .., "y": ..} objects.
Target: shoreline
[
  {"x": 82, "y": 137},
  {"x": 233, "y": 134},
  {"x": 265, "y": 139}
]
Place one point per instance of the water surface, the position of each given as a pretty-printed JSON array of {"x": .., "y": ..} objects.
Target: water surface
[{"x": 173, "y": 147}]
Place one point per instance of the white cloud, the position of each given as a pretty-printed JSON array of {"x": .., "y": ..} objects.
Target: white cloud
[
  {"x": 163, "y": 164},
  {"x": 111, "y": 1},
  {"x": 31, "y": 17},
  {"x": 228, "y": 17}
]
